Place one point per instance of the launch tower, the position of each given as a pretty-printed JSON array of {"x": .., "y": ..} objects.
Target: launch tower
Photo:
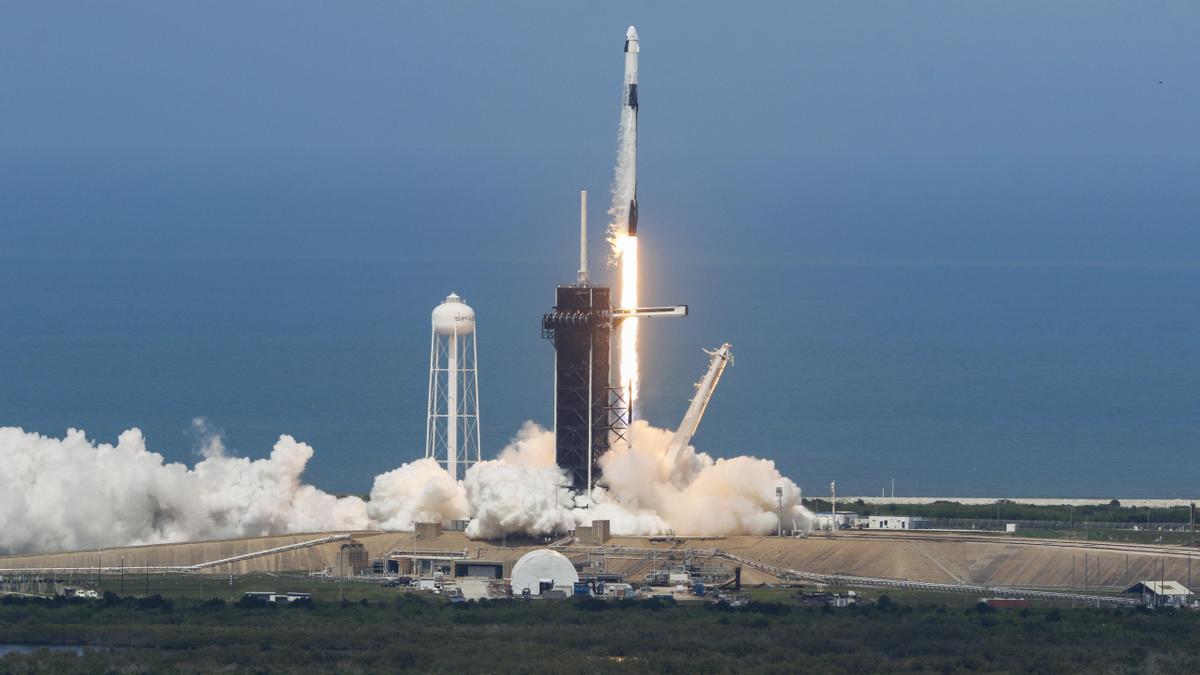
[
  {"x": 589, "y": 413},
  {"x": 580, "y": 327}
]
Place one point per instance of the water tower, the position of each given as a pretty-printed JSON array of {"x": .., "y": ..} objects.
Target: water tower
[{"x": 452, "y": 426}]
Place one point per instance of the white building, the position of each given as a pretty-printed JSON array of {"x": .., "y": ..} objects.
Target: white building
[
  {"x": 1161, "y": 593},
  {"x": 542, "y": 571},
  {"x": 618, "y": 591},
  {"x": 844, "y": 520},
  {"x": 898, "y": 523}
]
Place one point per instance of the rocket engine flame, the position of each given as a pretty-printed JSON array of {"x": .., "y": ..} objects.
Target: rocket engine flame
[{"x": 628, "y": 368}]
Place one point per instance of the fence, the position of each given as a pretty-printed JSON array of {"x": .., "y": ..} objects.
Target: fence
[{"x": 993, "y": 525}]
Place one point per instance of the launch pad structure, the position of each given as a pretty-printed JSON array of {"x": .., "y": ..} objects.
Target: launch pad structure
[
  {"x": 590, "y": 414},
  {"x": 588, "y": 411}
]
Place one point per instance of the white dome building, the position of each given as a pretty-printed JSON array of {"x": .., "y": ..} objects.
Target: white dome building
[{"x": 542, "y": 570}]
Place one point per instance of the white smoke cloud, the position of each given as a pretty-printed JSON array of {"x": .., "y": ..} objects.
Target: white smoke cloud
[
  {"x": 417, "y": 492},
  {"x": 521, "y": 492},
  {"x": 524, "y": 492},
  {"x": 72, "y": 493},
  {"x": 210, "y": 441},
  {"x": 698, "y": 495}
]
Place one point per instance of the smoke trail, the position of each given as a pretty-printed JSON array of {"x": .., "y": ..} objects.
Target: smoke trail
[
  {"x": 71, "y": 493},
  {"x": 624, "y": 184}
]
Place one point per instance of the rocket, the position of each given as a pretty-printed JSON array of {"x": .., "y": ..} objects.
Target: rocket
[{"x": 629, "y": 113}]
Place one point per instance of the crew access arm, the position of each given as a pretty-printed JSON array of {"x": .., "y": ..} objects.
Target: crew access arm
[{"x": 719, "y": 358}]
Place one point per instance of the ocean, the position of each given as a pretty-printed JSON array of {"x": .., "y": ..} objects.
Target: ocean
[{"x": 985, "y": 380}]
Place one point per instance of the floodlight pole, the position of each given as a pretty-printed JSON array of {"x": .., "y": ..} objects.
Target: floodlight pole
[
  {"x": 779, "y": 498},
  {"x": 833, "y": 506}
]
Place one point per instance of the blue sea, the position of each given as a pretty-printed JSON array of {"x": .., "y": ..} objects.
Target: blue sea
[{"x": 988, "y": 380}]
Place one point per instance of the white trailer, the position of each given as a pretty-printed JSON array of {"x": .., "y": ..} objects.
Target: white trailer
[{"x": 898, "y": 523}]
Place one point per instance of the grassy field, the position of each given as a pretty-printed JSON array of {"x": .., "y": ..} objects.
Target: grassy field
[
  {"x": 408, "y": 632},
  {"x": 908, "y": 598}
]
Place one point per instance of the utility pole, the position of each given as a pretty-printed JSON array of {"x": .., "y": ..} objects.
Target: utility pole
[
  {"x": 833, "y": 506},
  {"x": 800, "y": 501},
  {"x": 147, "y": 578},
  {"x": 1162, "y": 575},
  {"x": 122, "y": 576},
  {"x": 893, "y": 488},
  {"x": 779, "y": 498}
]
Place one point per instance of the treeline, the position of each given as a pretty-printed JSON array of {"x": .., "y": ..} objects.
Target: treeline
[
  {"x": 1113, "y": 512},
  {"x": 421, "y": 634}
]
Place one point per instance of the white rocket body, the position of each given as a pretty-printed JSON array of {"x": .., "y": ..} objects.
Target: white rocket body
[{"x": 629, "y": 113}]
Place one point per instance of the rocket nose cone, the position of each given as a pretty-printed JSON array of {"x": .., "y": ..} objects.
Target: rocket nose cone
[{"x": 631, "y": 34}]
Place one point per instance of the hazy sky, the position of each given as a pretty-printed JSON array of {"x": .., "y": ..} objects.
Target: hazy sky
[
  {"x": 946, "y": 131},
  {"x": 222, "y": 147}
]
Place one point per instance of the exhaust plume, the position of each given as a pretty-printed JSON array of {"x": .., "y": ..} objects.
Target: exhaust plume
[{"x": 71, "y": 493}]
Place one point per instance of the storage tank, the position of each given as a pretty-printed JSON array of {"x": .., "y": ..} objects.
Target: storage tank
[{"x": 452, "y": 435}]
